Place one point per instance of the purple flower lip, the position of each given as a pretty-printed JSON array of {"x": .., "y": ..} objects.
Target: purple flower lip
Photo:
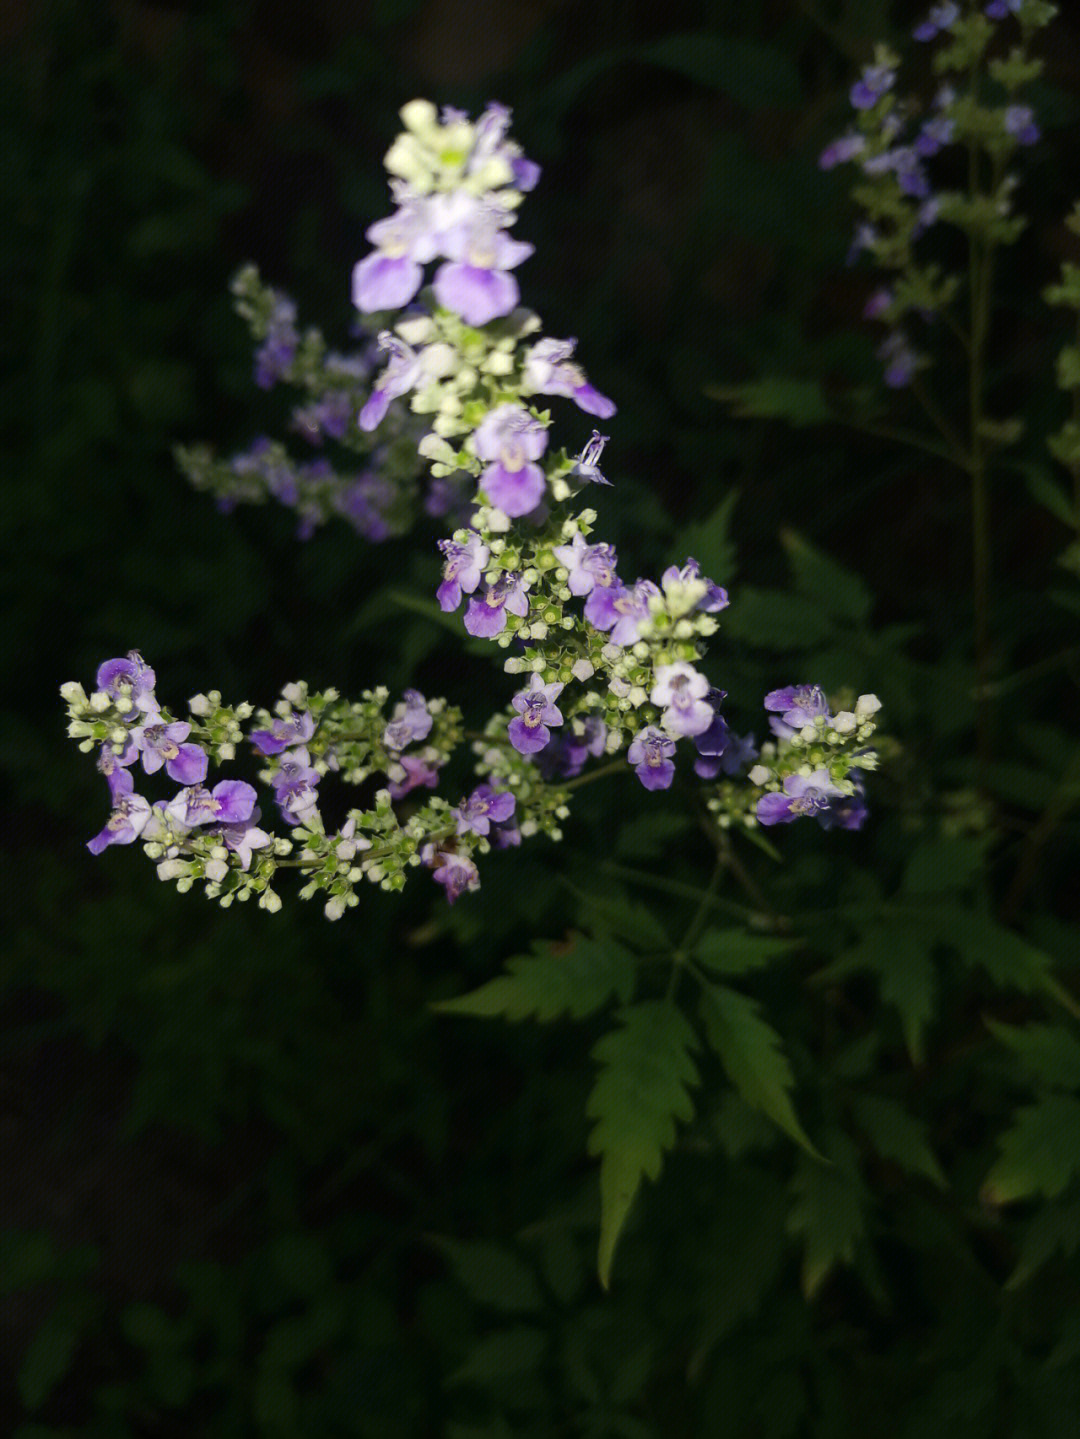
[
  {"x": 231, "y": 801},
  {"x": 650, "y": 753},
  {"x": 128, "y": 682},
  {"x": 798, "y": 705},
  {"x": 411, "y": 721},
  {"x": 587, "y": 565},
  {"x": 802, "y": 795},
  {"x": 536, "y": 710},
  {"x": 483, "y": 807}
]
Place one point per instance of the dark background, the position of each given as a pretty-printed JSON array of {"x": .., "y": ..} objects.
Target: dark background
[{"x": 195, "y": 1099}]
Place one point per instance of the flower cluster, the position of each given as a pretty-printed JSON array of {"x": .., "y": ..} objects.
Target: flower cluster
[
  {"x": 893, "y": 139},
  {"x": 609, "y": 666}
]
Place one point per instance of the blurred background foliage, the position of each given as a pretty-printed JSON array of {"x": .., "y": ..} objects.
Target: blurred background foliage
[{"x": 250, "y": 1184}]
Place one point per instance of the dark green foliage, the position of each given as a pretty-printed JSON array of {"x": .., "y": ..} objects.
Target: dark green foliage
[{"x": 267, "y": 1176}]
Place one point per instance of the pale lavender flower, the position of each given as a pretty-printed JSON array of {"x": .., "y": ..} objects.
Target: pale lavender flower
[
  {"x": 399, "y": 377},
  {"x": 841, "y": 150},
  {"x": 650, "y": 753},
  {"x": 511, "y": 440},
  {"x": 899, "y": 358},
  {"x": 275, "y": 355},
  {"x": 483, "y": 807},
  {"x": 935, "y": 133},
  {"x": 418, "y": 772},
  {"x": 390, "y": 277},
  {"x": 475, "y": 284},
  {"x": 715, "y": 597},
  {"x": 1002, "y": 9},
  {"x": 464, "y": 564},
  {"x": 587, "y": 565},
  {"x": 486, "y": 616},
  {"x": 231, "y": 801},
  {"x": 115, "y": 767},
  {"x": 294, "y": 787},
  {"x": 125, "y": 824},
  {"x": 802, "y": 795},
  {"x": 587, "y": 465},
  {"x": 297, "y": 729},
  {"x": 940, "y": 18},
  {"x": 875, "y": 81},
  {"x": 549, "y": 371},
  {"x": 797, "y": 705},
  {"x": 162, "y": 744},
  {"x": 878, "y": 304},
  {"x": 411, "y": 720},
  {"x": 620, "y": 609},
  {"x": 243, "y": 837},
  {"x": 536, "y": 710},
  {"x": 455, "y": 872},
  {"x": 129, "y": 683},
  {"x": 1020, "y": 124},
  {"x": 680, "y": 691}
]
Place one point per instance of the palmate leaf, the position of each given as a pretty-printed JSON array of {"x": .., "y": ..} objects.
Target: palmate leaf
[
  {"x": 897, "y": 1135},
  {"x": 734, "y": 951},
  {"x": 839, "y": 591},
  {"x": 642, "y": 1090},
  {"x": 1040, "y": 1154},
  {"x": 751, "y": 1053},
  {"x": 577, "y": 977},
  {"x": 1048, "y": 1052}
]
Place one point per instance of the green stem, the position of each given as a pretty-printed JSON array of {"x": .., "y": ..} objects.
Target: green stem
[{"x": 605, "y": 769}]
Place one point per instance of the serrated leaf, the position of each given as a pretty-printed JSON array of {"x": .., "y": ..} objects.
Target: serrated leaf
[
  {"x": 577, "y": 978},
  {"x": 1040, "y": 1154},
  {"x": 733, "y": 951},
  {"x": 709, "y": 541},
  {"x": 503, "y": 1355},
  {"x": 827, "y": 1215},
  {"x": 776, "y": 619},
  {"x": 1011, "y": 961},
  {"x": 750, "y": 1051},
  {"x": 642, "y": 1090},
  {"x": 1050, "y": 1053},
  {"x": 897, "y": 1135},
  {"x": 1050, "y": 495},
  {"x": 822, "y": 579},
  {"x": 492, "y": 1275}
]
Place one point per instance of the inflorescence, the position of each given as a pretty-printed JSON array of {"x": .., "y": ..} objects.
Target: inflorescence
[{"x": 606, "y": 664}]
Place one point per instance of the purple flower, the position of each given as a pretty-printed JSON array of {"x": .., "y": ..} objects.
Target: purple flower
[
  {"x": 715, "y": 597},
  {"x": 242, "y": 837},
  {"x": 465, "y": 561},
  {"x": 875, "y": 81},
  {"x": 275, "y": 355},
  {"x": 231, "y": 801},
  {"x": 941, "y": 17},
  {"x": 935, "y": 133},
  {"x": 802, "y": 795},
  {"x": 713, "y": 740},
  {"x": 536, "y": 709},
  {"x": 650, "y": 753},
  {"x": 294, "y": 787},
  {"x": 482, "y": 807},
  {"x": 510, "y": 439},
  {"x": 390, "y": 277},
  {"x": 739, "y": 752},
  {"x": 476, "y": 285},
  {"x": 587, "y": 465},
  {"x": 129, "y": 683},
  {"x": 411, "y": 720},
  {"x": 455, "y": 872},
  {"x": 418, "y": 771},
  {"x": 841, "y": 150},
  {"x": 849, "y": 811},
  {"x": 797, "y": 705},
  {"x": 399, "y": 377},
  {"x": 486, "y": 617},
  {"x": 1020, "y": 123},
  {"x": 587, "y": 565},
  {"x": 900, "y": 360},
  {"x": 620, "y": 609},
  {"x": 548, "y": 371},
  {"x": 297, "y": 729},
  {"x": 865, "y": 237},
  {"x": 566, "y": 755},
  {"x": 114, "y": 767},
  {"x": 125, "y": 824},
  {"x": 331, "y": 414},
  {"x": 682, "y": 689},
  {"x": 877, "y": 305},
  {"x": 161, "y": 744},
  {"x": 1002, "y": 9}
]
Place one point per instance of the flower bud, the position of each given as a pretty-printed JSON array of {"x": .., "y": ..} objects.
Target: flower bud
[
  {"x": 867, "y": 705},
  {"x": 760, "y": 774}
]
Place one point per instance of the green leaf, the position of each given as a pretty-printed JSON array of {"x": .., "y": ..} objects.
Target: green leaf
[
  {"x": 49, "y": 1354},
  {"x": 1011, "y": 961},
  {"x": 750, "y": 1051},
  {"x": 733, "y": 951},
  {"x": 709, "y": 541},
  {"x": 503, "y": 1355},
  {"x": 839, "y": 592},
  {"x": 776, "y": 619},
  {"x": 1040, "y": 1154},
  {"x": 1050, "y": 1053},
  {"x": 775, "y": 397},
  {"x": 578, "y": 978},
  {"x": 492, "y": 1275},
  {"x": 1050, "y": 495},
  {"x": 897, "y": 1135},
  {"x": 938, "y": 865},
  {"x": 827, "y": 1214},
  {"x": 642, "y": 1089}
]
